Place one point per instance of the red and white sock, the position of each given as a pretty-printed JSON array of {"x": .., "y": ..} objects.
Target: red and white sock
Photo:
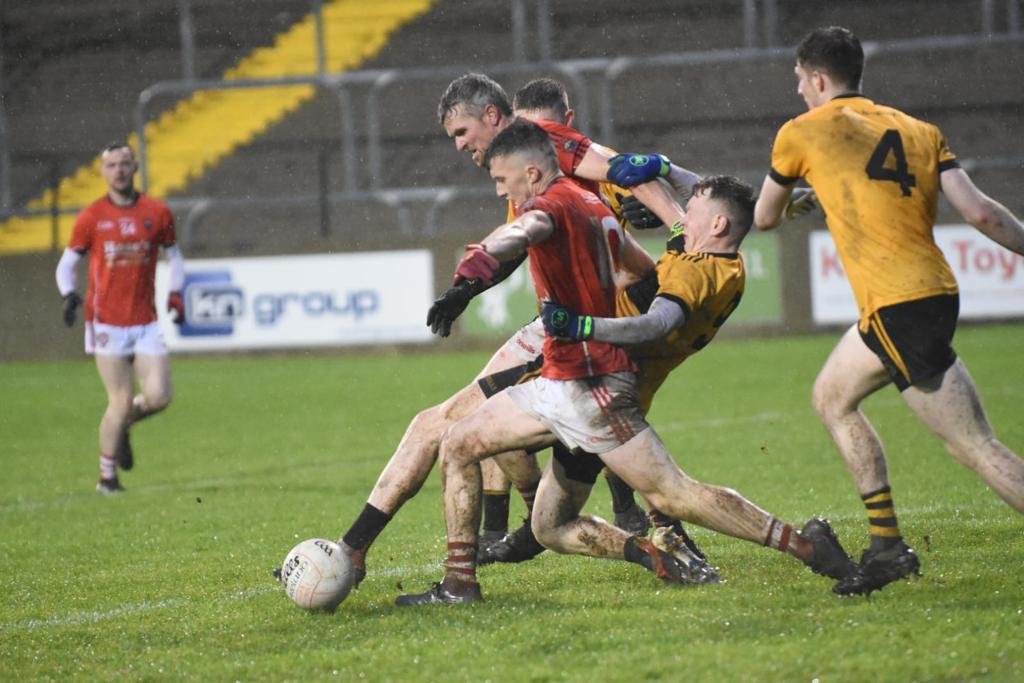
[
  {"x": 781, "y": 537},
  {"x": 529, "y": 495},
  {"x": 461, "y": 565},
  {"x": 108, "y": 467}
]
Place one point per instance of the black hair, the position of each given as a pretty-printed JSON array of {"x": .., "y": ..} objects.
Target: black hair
[
  {"x": 118, "y": 144},
  {"x": 522, "y": 136},
  {"x": 542, "y": 93},
  {"x": 836, "y": 51},
  {"x": 737, "y": 196},
  {"x": 473, "y": 92}
]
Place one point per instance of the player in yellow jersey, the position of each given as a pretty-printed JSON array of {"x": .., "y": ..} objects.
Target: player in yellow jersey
[{"x": 877, "y": 173}]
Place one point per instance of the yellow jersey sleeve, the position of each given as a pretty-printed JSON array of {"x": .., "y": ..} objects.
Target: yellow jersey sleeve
[{"x": 788, "y": 161}]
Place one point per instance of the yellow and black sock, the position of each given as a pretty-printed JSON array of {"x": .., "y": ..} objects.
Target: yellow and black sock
[{"x": 885, "y": 531}]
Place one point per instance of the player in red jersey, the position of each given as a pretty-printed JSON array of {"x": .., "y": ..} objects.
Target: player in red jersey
[
  {"x": 122, "y": 233},
  {"x": 586, "y": 397},
  {"x": 473, "y": 110}
]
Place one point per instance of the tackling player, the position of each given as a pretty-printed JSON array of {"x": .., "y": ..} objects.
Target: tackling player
[
  {"x": 586, "y": 396},
  {"x": 473, "y": 110},
  {"x": 877, "y": 173},
  {"x": 122, "y": 233}
]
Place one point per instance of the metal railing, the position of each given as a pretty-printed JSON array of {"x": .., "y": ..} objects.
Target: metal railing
[{"x": 759, "y": 24}]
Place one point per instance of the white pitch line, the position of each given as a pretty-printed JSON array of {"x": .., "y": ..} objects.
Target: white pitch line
[{"x": 124, "y": 610}]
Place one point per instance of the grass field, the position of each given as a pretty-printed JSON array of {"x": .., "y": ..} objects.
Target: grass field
[{"x": 172, "y": 580}]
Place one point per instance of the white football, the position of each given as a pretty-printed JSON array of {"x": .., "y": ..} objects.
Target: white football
[{"x": 317, "y": 574}]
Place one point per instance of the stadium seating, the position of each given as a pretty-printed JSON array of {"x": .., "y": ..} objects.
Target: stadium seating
[
  {"x": 713, "y": 117},
  {"x": 194, "y": 135}
]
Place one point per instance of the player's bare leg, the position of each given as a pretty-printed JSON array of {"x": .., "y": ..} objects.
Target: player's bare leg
[
  {"x": 851, "y": 373},
  {"x": 950, "y": 406},
  {"x": 156, "y": 391},
  {"x": 497, "y": 427},
  {"x": 119, "y": 382},
  {"x": 646, "y": 465},
  {"x": 413, "y": 459},
  {"x": 154, "y": 377},
  {"x": 560, "y": 525}
]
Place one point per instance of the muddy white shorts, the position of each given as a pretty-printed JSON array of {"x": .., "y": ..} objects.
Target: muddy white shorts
[
  {"x": 596, "y": 415},
  {"x": 113, "y": 340},
  {"x": 528, "y": 341}
]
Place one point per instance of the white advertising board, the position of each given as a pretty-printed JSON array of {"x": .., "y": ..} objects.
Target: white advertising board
[
  {"x": 991, "y": 278},
  {"x": 301, "y": 301}
]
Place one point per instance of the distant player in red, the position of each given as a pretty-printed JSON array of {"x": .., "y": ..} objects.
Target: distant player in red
[{"x": 122, "y": 232}]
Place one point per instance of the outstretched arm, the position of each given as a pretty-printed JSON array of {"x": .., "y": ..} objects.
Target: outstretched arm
[
  {"x": 661, "y": 318},
  {"x": 986, "y": 214},
  {"x": 655, "y": 195}
]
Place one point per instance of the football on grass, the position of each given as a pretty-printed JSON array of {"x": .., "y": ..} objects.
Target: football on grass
[{"x": 317, "y": 574}]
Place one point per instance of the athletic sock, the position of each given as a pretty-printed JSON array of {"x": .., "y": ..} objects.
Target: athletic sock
[
  {"x": 528, "y": 495},
  {"x": 366, "y": 528},
  {"x": 885, "y": 532},
  {"x": 108, "y": 467},
  {"x": 622, "y": 493},
  {"x": 781, "y": 537},
  {"x": 461, "y": 565},
  {"x": 496, "y": 511}
]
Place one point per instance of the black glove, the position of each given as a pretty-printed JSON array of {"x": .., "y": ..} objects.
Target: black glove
[
  {"x": 71, "y": 303},
  {"x": 447, "y": 308},
  {"x": 636, "y": 214}
]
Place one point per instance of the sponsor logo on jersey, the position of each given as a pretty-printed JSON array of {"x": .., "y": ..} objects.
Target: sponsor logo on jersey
[
  {"x": 570, "y": 145},
  {"x": 105, "y": 225}
]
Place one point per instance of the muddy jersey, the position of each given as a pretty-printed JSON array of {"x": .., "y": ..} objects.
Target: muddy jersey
[
  {"x": 123, "y": 244},
  {"x": 875, "y": 171},
  {"x": 708, "y": 287},
  {"x": 574, "y": 267}
]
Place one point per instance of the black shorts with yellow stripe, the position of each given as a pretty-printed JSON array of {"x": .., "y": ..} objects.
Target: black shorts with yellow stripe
[
  {"x": 914, "y": 339},
  {"x": 499, "y": 381}
]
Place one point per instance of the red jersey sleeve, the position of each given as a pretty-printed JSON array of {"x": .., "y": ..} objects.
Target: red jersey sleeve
[
  {"x": 81, "y": 235},
  {"x": 168, "y": 237},
  {"x": 570, "y": 145}
]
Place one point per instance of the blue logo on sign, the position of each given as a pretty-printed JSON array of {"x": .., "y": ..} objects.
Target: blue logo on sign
[{"x": 212, "y": 304}]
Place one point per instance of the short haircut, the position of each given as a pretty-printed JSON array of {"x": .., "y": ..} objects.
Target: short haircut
[
  {"x": 473, "y": 92},
  {"x": 118, "y": 144},
  {"x": 836, "y": 51},
  {"x": 737, "y": 196},
  {"x": 542, "y": 93},
  {"x": 522, "y": 136}
]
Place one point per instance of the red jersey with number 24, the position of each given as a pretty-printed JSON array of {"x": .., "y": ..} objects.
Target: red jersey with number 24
[
  {"x": 573, "y": 267},
  {"x": 123, "y": 244}
]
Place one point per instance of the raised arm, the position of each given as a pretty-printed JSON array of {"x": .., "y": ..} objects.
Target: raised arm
[
  {"x": 986, "y": 214},
  {"x": 656, "y": 195}
]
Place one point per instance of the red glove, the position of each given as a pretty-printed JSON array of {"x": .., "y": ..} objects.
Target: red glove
[
  {"x": 176, "y": 307},
  {"x": 476, "y": 264}
]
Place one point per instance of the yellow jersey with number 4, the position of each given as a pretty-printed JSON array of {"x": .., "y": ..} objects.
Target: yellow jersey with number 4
[{"x": 875, "y": 171}]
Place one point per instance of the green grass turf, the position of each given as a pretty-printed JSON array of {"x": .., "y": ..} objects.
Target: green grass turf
[{"x": 172, "y": 579}]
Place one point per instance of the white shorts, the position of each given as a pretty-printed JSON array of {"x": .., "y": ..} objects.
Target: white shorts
[
  {"x": 596, "y": 415},
  {"x": 112, "y": 340},
  {"x": 528, "y": 341}
]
